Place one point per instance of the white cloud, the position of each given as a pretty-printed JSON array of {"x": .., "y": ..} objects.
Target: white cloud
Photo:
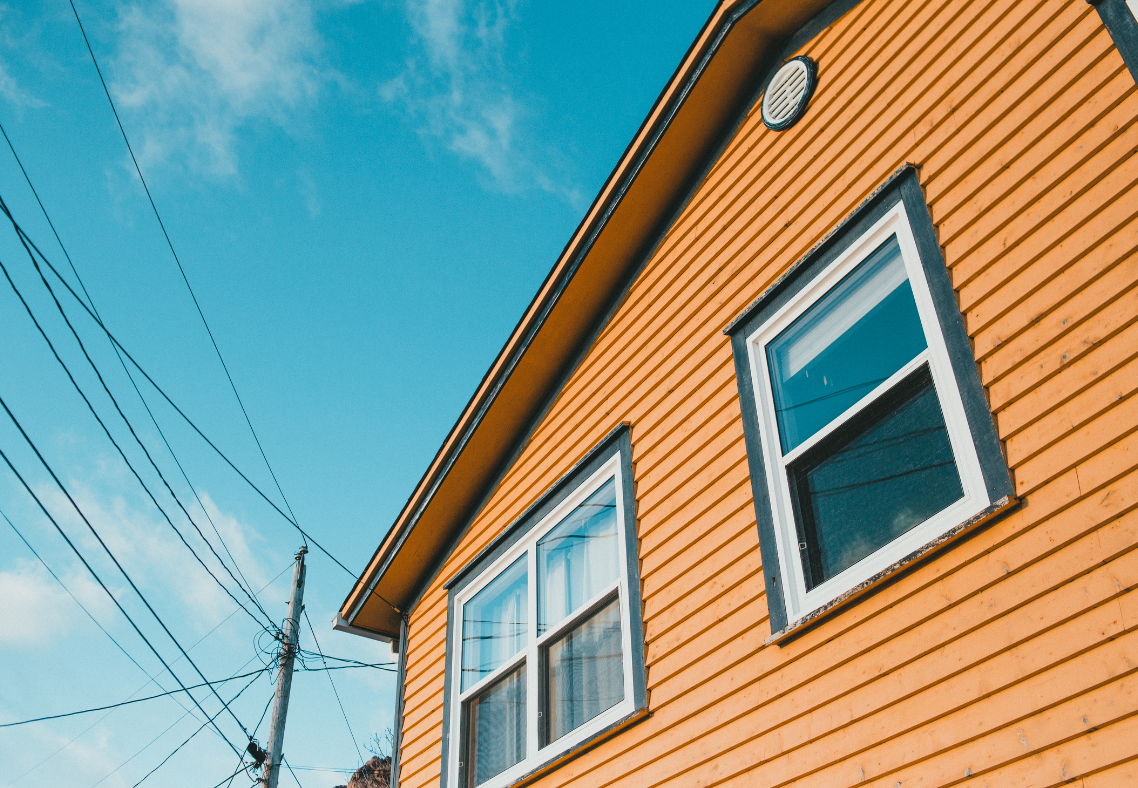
[
  {"x": 458, "y": 86},
  {"x": 15, "y": 95},
  {"x": 14, "y": 38},
  {"x": 152, "y": 553},
  {"x": 193, "y": 72},
  {"x": 34, "y": 608}
]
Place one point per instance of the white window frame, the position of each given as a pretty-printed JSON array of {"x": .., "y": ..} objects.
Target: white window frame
[
  {"x": 799, "y": 601},
  {"x": 536, "y": 755}
]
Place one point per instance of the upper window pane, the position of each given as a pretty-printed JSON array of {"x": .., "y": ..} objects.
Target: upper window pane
[
  {"x": 578, "y": 558},
  {"x": 495, "y": 623},
  {"x": 855, "y": 337}
]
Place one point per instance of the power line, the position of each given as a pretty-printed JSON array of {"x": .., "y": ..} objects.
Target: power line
[
  {"x": 227, "y": 781},
  {"x": 132, "y": 701},
  {"x": 68, "y": 590},
  {"x": 110, "y": 437},
  {"x": 150, "y": 743},
  {"x": 334, "y": 690},
  {"x": 307, "y": 536},
  {"x": 195, "y": 733},
  {"x": 376, "y": 666},
  {"x": 119, "y": 347},
  {"x": 106, "y": 549},
  {"x": 290, "y": 771},
  {"x": 197, "y": 305},
  {"x": 182, "y": 270},
  {"x": 154, "y": 680},
  {"x": 118, "y": 354}
]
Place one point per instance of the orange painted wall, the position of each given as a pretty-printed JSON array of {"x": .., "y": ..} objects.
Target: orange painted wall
[{"x": 1010, "y": 657}]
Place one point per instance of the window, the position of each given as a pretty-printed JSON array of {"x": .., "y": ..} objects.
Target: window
[
  {"x": 867, "y": 430},
  {"x": 545, "y": 648},
  {"x": 1119, "y": 18}
]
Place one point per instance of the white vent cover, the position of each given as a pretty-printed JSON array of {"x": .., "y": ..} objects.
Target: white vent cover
[{"x": 788, "y": 93}]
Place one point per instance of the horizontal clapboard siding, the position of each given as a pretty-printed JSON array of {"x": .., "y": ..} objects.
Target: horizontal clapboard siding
[{"x": 1008, "y": 658}]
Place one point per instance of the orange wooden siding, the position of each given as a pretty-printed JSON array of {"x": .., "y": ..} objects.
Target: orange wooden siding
[{"x": 1009, "y": 658}]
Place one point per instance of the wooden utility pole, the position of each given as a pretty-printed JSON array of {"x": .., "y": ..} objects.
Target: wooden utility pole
[{"x": 289, "y": 640}]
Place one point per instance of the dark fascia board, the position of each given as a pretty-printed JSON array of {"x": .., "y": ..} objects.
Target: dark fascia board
[
  {"x": 565, "y": 276},
  {"x": 1123, "y": 28}
]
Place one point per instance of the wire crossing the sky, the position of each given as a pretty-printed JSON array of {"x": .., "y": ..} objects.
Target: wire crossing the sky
[
  {"x": 119, "y": 566},
  {"x": 308, "y": 537},
  {"x": 68, "y": 590},
  {"x": 122, "y": 454},
  {"x": 334, "y": 690},
  {"x": 118, "y": 355},
  {"x": 182, "y": 270},
  {"x": 134, "y": 700}
]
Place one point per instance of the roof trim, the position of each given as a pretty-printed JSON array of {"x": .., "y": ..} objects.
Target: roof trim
[{"x": 695, "y": 64}]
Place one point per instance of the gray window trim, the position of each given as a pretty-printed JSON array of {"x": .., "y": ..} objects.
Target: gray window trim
[
  {"x": 619, "y": 441},
  {"x": 904, "y": 187}
]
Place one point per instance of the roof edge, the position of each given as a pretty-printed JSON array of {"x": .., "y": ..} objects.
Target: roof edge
[{"x": 668, "y": 104}]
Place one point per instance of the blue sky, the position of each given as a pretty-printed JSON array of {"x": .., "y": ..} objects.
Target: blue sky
[{"x": 365, "y": 196}]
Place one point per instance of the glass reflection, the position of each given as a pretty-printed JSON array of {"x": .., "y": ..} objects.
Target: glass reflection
[
  {"x": 496, "y": 727},
  {"x": 494, "y": 623},
  {"x": 869, "y": 482},
  {"x": 855, "y": 337},
  {"x": 585, "y": 673},
  {"x": 578, "y": 558}
]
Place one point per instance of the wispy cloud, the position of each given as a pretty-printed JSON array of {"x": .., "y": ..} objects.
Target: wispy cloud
[
  {"x": 147, "y": 547},
  {"x": 457, "y": 85},
  {"x": 34, "y": 609},
  {"x": 193, "y": 72},
  {"x": 16, "y": 95},
  {"x": 15, "y": 38}
]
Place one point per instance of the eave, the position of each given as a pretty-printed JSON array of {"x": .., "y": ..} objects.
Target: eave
[{"x": 715, "y": 82}]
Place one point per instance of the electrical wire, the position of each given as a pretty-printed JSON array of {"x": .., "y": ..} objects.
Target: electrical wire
[
  {"x": 132, "y": 701},
  {"x": 197, "y": 305},
  {"x": 263, "y": 713},
  {"x": 182, "y": 270},
  {"x": 150, "y": 743},
  {"x": 118, "y": 354},
  {"x": 387, "y": 668},
  {"x": 334, "y": 690},
  {"x": 110, "y": 437},
  {"x": 195, "y": 733},
  {"x": 290, "y": 771},
  {"x": 307, "y": 536},
  {"x": 118, "y": 565},
  {"x": 68, "y": 590},
  {"x": 154, "y": 680},
  {"x": 229, "y": 780}
]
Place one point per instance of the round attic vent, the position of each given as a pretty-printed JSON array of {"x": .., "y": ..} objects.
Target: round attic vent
[{"x": 788, "y": 93}]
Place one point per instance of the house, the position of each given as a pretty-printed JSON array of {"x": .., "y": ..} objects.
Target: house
[{"x": 814, "y": 461}]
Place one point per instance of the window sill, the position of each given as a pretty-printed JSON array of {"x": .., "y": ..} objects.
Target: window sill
[
  {"x": 577, "y": 750},
  {"x": 799, "y": 626}
]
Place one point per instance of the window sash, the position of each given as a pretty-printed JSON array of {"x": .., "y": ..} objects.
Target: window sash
[
  {"x": 537, "y": 754},
  {"x": 800, "y": 601}
]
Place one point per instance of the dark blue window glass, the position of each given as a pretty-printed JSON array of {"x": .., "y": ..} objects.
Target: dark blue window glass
[
  {"x": 842, "y": 347},
  {"x": 882, "y": 473}
]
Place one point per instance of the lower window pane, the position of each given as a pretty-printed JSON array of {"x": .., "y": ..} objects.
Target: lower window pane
[
  {"x": 584, "y": 673},
  {"x": 496, "y": 728},
  {"x": 885, "y": 472}
]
